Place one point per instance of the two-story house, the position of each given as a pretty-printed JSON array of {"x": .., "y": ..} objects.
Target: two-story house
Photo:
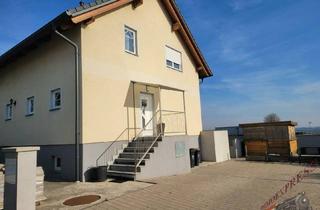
[{"x": 111, "y": 82}]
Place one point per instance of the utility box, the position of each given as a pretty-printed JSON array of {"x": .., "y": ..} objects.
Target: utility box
[{"x": 214, "y": 146}]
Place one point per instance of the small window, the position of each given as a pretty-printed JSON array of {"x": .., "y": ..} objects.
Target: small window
[
  {"x": 173, "y": 59},
  {"x": 130, "y": 40},
  {"x": 30, "y": 106},
  {"x": 57, "y": 163},
  {"x": 55, "y": 102},
  {"x": 9, "y": 112}
]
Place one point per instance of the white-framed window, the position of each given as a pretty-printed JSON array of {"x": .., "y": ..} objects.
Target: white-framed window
[
  {"x": 55, "y": 99},
  {"x": 57, "y": 163},
  {"x": 9, "y": 111},
  {"x": 173, "y": 59},
  {"x": 130, "y": 40},
  {"x": 30, "y": 106}
]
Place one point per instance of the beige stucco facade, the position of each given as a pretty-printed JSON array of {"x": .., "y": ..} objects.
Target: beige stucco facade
[
  {"x": 46, "y": 68},
  {"x": 107, "y": 72}
]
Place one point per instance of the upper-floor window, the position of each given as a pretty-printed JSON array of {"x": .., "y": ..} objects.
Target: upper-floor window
[
  {"x": 130, "y": 40},
  {"x": 30, "y": 106},
  {"x": 55, "y": 101},
  {"x": 173, "y": 59},
  {"x": 9, "y": 111}
]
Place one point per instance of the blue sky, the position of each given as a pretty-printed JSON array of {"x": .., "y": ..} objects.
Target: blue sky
[{"x": 265, "y": 53}]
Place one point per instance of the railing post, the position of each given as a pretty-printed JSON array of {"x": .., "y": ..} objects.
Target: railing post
[
  {"x": 185, "y": 114},
  {"x": 134, "y": 109},
  {"x": 160, "y": 111}
]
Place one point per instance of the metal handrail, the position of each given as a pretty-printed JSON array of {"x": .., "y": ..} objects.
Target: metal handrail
[
  {"x": 144, "y": 128},
  {"x": 151, "y": 120},
  {"x": 117, "y": 139},
  {"x": 136, "y": 138},
  {"x": 145, "y": 154},
  {"x": 172, "y": 111}
]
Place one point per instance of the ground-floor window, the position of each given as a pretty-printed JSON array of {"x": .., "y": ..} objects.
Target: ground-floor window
[
  {"x": 9, "y": 111},
  {"x": 57, "y": 163}
]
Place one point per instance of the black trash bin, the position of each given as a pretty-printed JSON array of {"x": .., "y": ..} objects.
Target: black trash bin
[
  {"x": 192, "y": 157},
  {"x": 197, "y": 157},
  {"x": 100, "y": 173}
]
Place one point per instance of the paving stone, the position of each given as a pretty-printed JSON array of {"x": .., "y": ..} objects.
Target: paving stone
[{"x": 235, "y": 184}]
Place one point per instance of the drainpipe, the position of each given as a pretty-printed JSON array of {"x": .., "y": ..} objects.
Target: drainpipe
[{"x": 77, "y": 124}]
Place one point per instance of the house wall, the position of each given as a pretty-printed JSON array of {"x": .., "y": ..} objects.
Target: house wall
[
  {"x": 41, "y": 70},
  {"x": 46, "y": 68},
  {"x": 108, "y": 69},
  {"x": 168, "y": 160}
]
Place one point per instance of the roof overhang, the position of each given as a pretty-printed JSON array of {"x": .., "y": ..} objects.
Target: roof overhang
[
  {"x": 87, "y": 13},
  {"x": 281, "y": 123},
  {"x": 44, "y": 34}
]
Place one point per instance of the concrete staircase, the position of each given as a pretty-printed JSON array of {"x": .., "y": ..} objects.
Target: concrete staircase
[{"x": 123, "y": 166}]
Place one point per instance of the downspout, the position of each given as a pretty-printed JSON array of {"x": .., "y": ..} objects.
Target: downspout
[{"x": 77, "y": 123}]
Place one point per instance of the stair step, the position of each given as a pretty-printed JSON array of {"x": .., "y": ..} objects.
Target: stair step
[
  {"x": 133, "y": 155},
  {"x": 149, "y": 138},
  {"x": 142, "y": 144},
  {"x": 121, "y": 174},
  {"x": 128, "y": 161},
  {"x": 124, "y": 167},
  {"x": 138, "y": 149}
]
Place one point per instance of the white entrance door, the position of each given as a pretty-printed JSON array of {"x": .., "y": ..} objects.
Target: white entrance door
[{"x": 146, "y": 110}]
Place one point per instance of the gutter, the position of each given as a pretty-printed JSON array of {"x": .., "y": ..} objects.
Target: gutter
[{"x": 77, "y": 120}]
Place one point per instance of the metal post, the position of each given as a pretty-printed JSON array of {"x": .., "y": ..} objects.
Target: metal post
[
  {"x": 77, "y": 96},
  {"x": 185, "y": 113},
  {"x": 135, "y": 127},
  {"x": 128, "y": 124},
  {"x": 160, "y": 110},
  {"x": 134, "y": 109}
]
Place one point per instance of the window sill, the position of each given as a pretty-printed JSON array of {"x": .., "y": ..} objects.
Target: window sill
[
  {"x": 55, "y": 109},
  {"x": 179, "y": 70},
  {"x": 29, "y": 115},
  {"x": 132, "y": 53},
  {"x": 56, "y": 171}
]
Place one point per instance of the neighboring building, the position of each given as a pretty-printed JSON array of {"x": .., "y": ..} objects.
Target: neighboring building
[
  {"x": 138, "y": 67},
  {"x": 236, "y": 143},
  {"x": 269, "y": 139},
  {"x": 311, "y": 143}
]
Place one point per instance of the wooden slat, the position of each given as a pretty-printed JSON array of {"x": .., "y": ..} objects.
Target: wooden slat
[
  {"x": 293, "y": 146},
  {"x": 256, "y": 148}
]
